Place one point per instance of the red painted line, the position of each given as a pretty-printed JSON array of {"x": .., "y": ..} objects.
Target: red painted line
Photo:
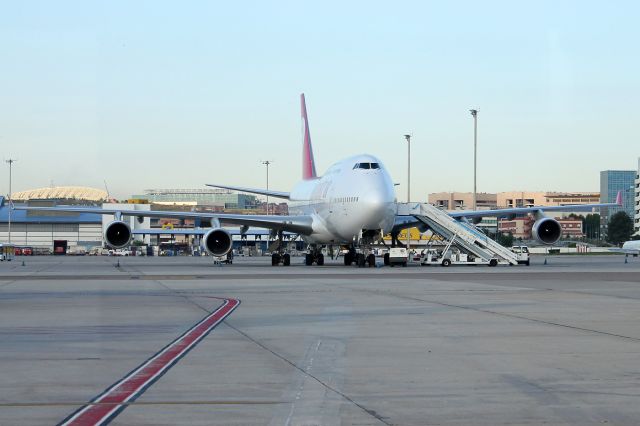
[{"x": 110, "y": 403}]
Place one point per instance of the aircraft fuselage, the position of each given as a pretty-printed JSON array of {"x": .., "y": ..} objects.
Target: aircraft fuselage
[{"x": 354, "y": 194}]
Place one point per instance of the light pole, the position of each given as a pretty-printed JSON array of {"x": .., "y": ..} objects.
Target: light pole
[
  {"x": 10, "y": 161},
  {"x": 266, "y": 163},
  {"x": 408, "y": 138},
  {"x": 474, "y": 113}
]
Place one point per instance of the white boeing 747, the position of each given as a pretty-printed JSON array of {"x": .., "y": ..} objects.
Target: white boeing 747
[{"x": 353, "y": 204}]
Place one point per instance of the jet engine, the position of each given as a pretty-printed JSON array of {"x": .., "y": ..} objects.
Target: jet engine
[
  {"x": 117, "y": 234},
  {"x": 546, "y": 230},
  {"x": 217, "y": 242}
]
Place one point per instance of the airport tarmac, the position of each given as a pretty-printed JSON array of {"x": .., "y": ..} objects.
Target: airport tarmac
[{"x": 546, "y": 344}]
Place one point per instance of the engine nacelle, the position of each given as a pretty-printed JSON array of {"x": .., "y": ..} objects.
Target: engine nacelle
[
  {"x": 117, "y": 234},
  {"x": 546, "y": 230},
  {"x": 217, "y": 242}
]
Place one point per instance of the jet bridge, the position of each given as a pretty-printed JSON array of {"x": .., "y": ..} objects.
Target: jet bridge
[{"x": 463, "y": 234}]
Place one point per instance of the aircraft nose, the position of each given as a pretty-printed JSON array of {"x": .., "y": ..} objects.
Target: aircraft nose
[{"x": 376, "y": 206}]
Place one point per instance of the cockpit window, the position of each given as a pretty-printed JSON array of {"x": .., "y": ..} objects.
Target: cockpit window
[{"x": 366, "y": 166}]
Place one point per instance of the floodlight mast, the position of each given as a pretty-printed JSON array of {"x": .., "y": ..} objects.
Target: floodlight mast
[
  {"x": 266, "y": 163},
  {"x": 474, "y": 113},
  {"x": 408, "y": 138},
  {"x": 10, "y": 161}
]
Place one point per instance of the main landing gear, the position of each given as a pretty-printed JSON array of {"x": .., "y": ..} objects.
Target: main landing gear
[
  {"x": 314, "y": 256},
  {"x": 277, "y": 258},
  {"x": 360, "y": 259}
]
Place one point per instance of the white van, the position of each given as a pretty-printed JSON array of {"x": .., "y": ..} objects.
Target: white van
[{"x": 523, "y": 254}]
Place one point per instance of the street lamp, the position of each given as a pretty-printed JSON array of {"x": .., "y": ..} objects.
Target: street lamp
[
  {"x": 10, "y": 161},
  {"x": 408, "y": 138},
  {"x": 474, "y": 113},
  {"x": 266, "y": 163}
]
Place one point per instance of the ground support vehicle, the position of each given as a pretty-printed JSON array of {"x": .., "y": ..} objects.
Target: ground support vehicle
[
  {"x": 452, "y": 255},
  {"x": 397, "y": 256},
  {"x": 522, "y": 253}
]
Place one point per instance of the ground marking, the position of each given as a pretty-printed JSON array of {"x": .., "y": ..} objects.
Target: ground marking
[{"x": 106, "y": 406}]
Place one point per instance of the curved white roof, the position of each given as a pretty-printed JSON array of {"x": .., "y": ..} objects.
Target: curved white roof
[{"x": 61, "y": 192}]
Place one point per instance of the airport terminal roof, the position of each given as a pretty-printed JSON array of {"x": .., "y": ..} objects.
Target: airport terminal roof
[
  {"x": 24, "y": 216},
  {"x": 62, "y": 193}
]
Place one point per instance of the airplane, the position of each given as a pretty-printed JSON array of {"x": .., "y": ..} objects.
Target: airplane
[
  {"x": 631, "y": 247},
  {"x": 352, "y": 204}
]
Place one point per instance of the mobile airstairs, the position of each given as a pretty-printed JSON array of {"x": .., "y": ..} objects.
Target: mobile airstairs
[{"x": 461, "y": 234}]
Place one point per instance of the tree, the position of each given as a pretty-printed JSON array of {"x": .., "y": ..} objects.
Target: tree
[
  {"x": 591, "y": 225},
  {"x": 506, "y": 240},
  {"x": 620, "y": 228}
]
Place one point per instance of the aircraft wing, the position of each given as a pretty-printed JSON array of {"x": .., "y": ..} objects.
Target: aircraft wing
[
  {"x": 408, "y": 221},
  {"x": 202, "y": 231},
  {"x": 534, "y": 209},
  {"x": 276, "y": 194},
  {"x": 634, "y": 252},
  {"x": 524, "y": 210},
  {"x": 295, "y": 224}
]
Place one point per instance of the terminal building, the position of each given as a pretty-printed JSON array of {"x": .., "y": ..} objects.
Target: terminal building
[
  {"x": 221, "y": 198},
  {"x": 40, "y": 229},
  {"x": 464, "y": 200},
  {"x": 528, "y": 199}
]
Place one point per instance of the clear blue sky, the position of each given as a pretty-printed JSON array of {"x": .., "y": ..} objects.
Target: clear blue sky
[{"x": 178, "y": 94}]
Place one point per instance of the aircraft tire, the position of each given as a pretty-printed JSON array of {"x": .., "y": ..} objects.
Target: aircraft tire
[
  {"x": 275, "y": 259},
  {"x": 386, "y": 259},
  {"x": 308, "y": 259},
  {"x": 348, "y": 259},
  {"x": 371, "y": 260},
  {"x": 360, "y": 260},
  {"x": 286, "y": 259},
  {"x": 320, "y": 259}
]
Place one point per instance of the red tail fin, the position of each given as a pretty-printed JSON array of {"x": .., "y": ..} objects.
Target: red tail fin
[{"x": 308, "y": 164}]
